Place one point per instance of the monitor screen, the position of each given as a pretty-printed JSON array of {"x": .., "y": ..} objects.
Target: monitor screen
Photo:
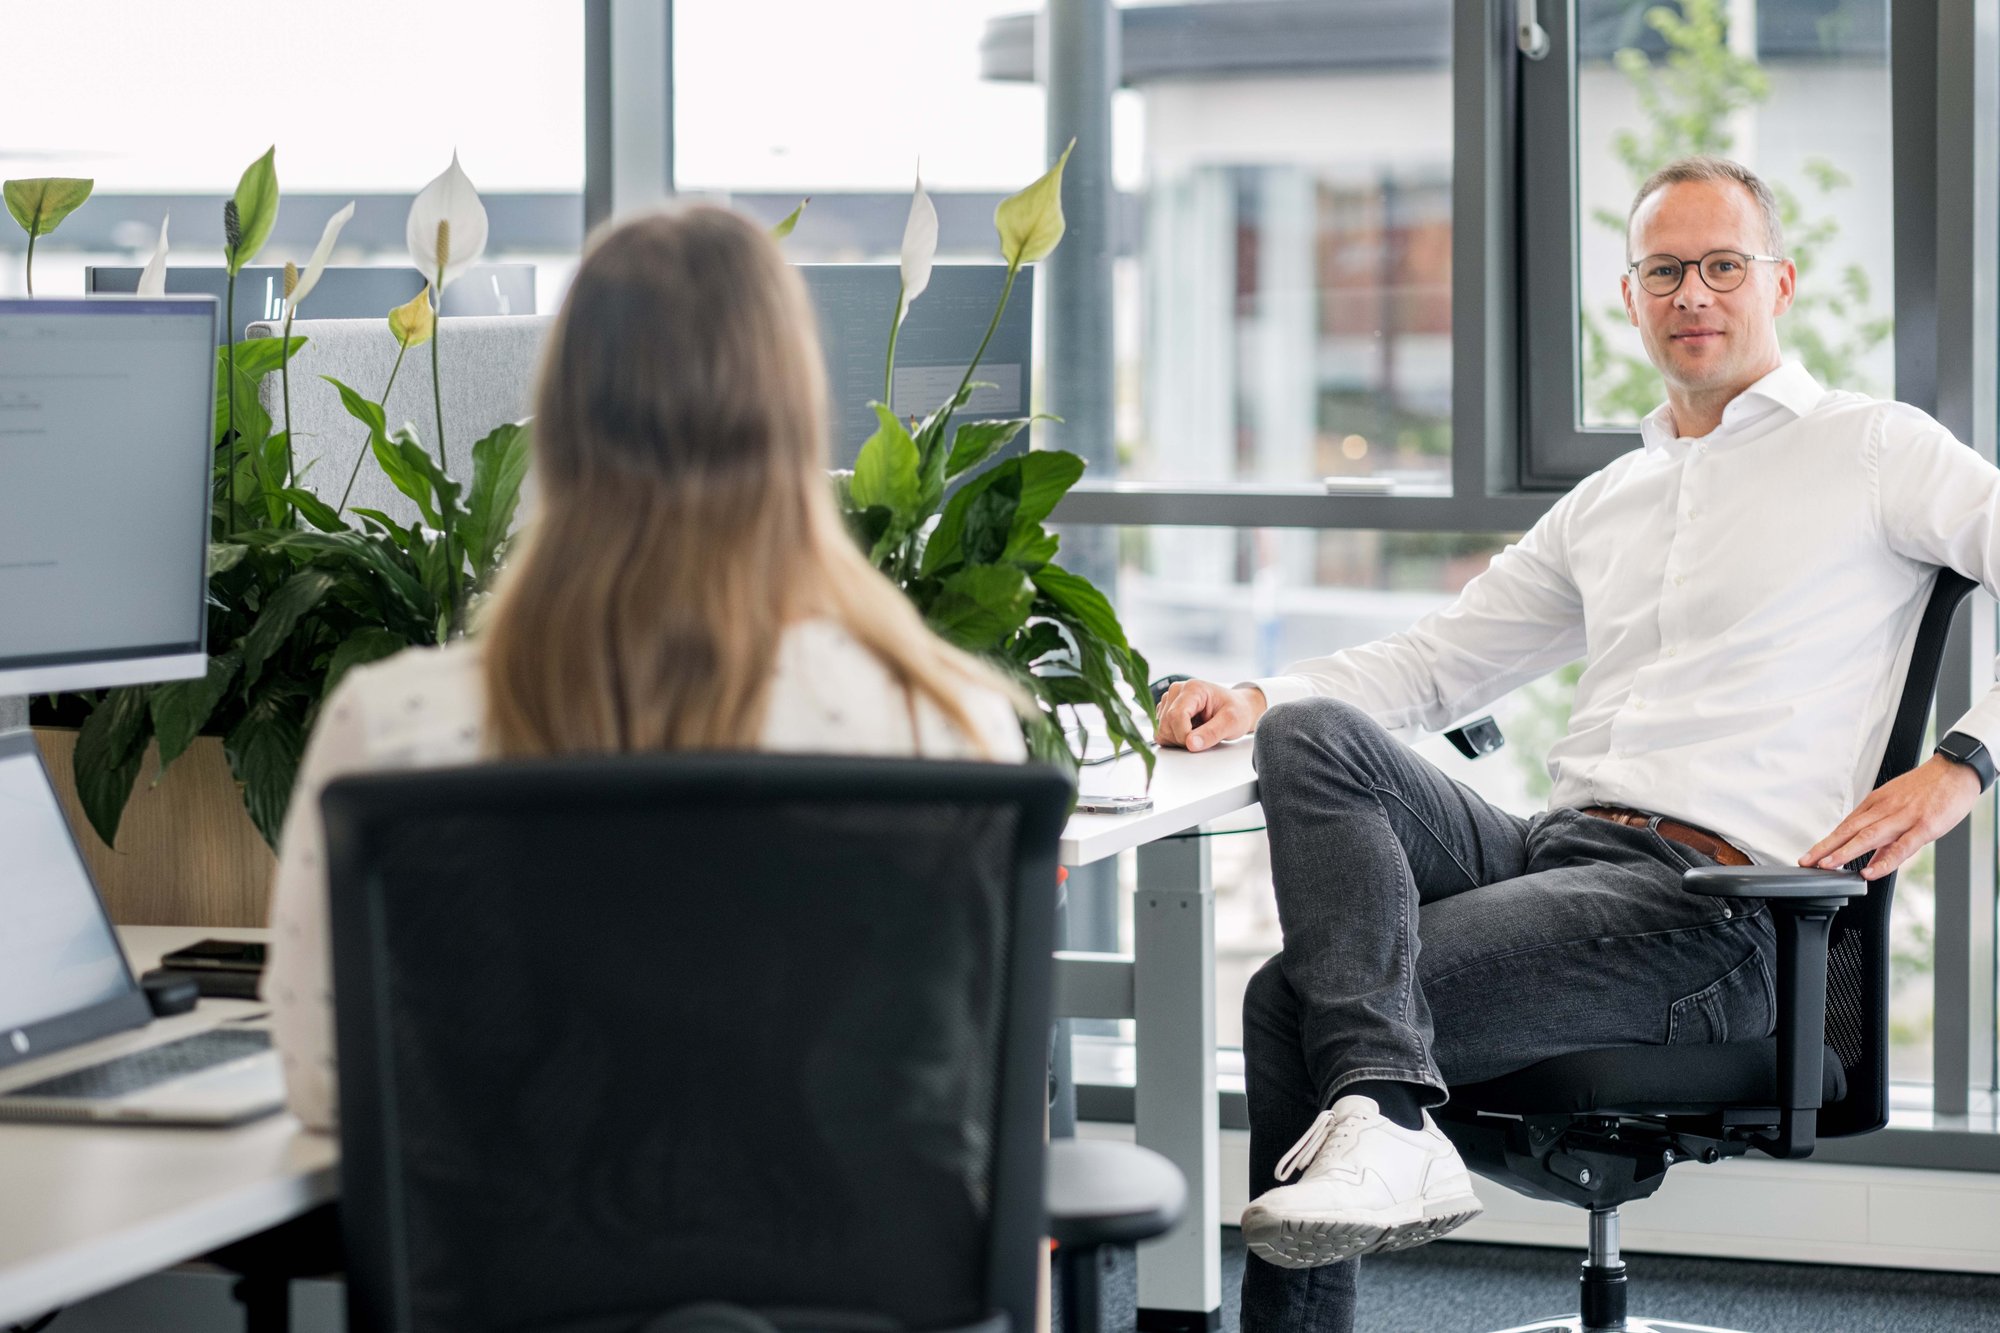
[
  {"x": 62, "y": 975},
  {"x": 940, "y": 335},
  {"x": 106, "y": 456}
]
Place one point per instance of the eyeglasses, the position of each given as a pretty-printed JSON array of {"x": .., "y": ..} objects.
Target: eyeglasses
[{"x": 1722, "y": 270}]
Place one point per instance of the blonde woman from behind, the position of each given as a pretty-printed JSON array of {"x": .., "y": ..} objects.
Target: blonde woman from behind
[{"x": 686, "y": 582}]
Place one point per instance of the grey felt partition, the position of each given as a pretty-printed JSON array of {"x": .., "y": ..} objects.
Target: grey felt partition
[
  {"x": 13, "y": 713},
  {"x": 488, "y": 364}
]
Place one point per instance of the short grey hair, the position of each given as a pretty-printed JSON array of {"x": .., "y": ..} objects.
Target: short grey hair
[{"x": 1683, "y": 170}]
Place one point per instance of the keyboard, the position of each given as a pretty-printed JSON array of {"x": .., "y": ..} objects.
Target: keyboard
[{"x": 156, "y": 1064}]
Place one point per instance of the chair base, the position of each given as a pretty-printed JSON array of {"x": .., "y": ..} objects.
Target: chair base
[{"x": 1573, "y": 1324}]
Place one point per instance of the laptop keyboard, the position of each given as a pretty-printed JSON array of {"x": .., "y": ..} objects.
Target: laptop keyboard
[{"x": 155, "y": 1064}]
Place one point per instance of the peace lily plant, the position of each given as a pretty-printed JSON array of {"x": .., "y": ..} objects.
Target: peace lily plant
[
  {"x": 300, "y": 591},
  {"x": 969, "y": 546}
]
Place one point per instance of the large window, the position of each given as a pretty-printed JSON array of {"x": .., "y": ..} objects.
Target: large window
[
  {"x": 163, "y": 105},
  {"x": 1797, "y": 89}
]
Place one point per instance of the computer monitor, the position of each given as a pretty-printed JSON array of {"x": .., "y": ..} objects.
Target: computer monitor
[
  {"x": 344, "y": 291},
  {"x": 940, "y": 334},
  {"x": 107, "y": 440}
]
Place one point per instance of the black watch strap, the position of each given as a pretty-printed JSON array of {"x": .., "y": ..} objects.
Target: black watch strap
[{"x": 1961, "y": 748}]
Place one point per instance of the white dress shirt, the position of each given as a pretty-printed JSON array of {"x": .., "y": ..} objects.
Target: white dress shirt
[
  {"x": 1745, "y": 605},
  {"x": 425, "y": 708}
]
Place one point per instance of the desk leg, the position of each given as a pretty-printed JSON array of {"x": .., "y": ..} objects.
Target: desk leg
[{"x": 1180, "y": 1275}]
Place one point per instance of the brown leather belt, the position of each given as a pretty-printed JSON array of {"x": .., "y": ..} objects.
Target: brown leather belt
[{"x": 1686, "y": 834}]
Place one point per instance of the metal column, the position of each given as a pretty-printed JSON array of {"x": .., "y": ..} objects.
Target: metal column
[
  {"x": 628, "y": 122},
  {"x": 1174, "y": 1106}
]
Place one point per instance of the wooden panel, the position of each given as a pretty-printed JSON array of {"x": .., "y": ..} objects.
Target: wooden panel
[{"x": 187, "y": 854}]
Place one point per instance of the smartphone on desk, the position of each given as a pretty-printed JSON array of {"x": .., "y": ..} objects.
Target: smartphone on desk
[
  {"x": 217, "y": 955},
  {"x": 222, "y": 969}
]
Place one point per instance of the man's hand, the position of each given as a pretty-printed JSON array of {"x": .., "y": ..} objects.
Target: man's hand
[
  {"x": 1900, "y": 818},
  {"x": 1198, "y": 714}
]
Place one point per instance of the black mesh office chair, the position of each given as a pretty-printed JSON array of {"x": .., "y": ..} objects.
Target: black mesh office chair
[
  {"x": 693, "y": 1043},
  {"x": 1600, "y": 1128}
]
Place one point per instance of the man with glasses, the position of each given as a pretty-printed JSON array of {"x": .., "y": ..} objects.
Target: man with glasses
[{"x": 1740, "y": 589}]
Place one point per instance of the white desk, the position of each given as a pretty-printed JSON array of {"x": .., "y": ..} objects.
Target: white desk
[
  {"x": 1168, "y": 986},
  {"x": 90, "y": 1207}
]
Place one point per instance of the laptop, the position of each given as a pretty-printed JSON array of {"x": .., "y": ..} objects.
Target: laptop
[{"x": 78, "y": 1042}]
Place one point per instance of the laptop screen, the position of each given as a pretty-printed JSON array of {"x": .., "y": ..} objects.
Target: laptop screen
[{"x": 63, "y": 977}]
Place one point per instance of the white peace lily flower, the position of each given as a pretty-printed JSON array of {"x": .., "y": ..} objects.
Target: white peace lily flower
[
  {"x": 153, "y": 282},
  {"x": 320, "y": 254},
  {"x": 920, "y": 243},
  {"x": 450, "y": 207}
]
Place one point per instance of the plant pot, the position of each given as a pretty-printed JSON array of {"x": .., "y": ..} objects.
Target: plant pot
[{"x": 187, "y": 853}]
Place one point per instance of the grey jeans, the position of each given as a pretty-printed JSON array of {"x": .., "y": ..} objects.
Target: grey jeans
[{"x": 1432, "y": 938}]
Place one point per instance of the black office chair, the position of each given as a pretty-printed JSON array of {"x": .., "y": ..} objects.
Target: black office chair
[
  {"x": 694, "y": 1042},
  {"x": 1600, "y": 1128}
]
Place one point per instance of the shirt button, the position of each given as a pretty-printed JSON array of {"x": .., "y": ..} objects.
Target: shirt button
[
  {"x": 1727, "y": 913},
  {"x": 1672, "y": 652},
  {"x": 1679, "y": 579},
  {"x": 1639, "y": 704},
  {"x": 1694, "y": 513}
]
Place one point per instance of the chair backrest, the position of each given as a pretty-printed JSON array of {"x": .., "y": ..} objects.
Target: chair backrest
[
  {"x": 622, "y": 1035},
  {"x": 1857, "y": 960},
  {"x": 488, "y": 365}
]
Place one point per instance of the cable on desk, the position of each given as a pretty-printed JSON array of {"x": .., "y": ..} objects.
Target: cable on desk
[{"x": 36, "y": 1325}]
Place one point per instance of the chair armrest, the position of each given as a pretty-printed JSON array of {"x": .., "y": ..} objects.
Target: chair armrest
[
  {"x": 1776, "y": 885},
  {"x": 1102, "y": 1192},
  {"x": 1803, "y": 903}
]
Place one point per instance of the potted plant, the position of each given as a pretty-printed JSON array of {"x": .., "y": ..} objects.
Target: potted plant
[
  {"x": 300, "y": 591},
  {"x": 970, "y": 546}
]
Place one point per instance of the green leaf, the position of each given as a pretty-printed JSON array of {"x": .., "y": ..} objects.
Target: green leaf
[
  {"x": 885, "y": 472},
  {"x": 1032, "y": 549},
  {"x": 41, "y": 204},
  {"x": 1044, "y": 477},
  {"x": 1081, "y": 603},
  {"x": 225, "y": 556},
  {"x": 989, "y": 519},
  {"x": 360, "y": 648},
  {"x": 789, "y": 221},
  {"x": 255, "y": 358},
  {"x": 405, "y": 536},
  {"x": 1040, "y": 640},
  {"x": 264, "y": 752},
  {"x": 976, "y": 441},
  {"x": 499, "y": 464},
  {"x": 316, "y": 511},
  {"x": 282, "y": 609},
  {"x": 181, "y": 709},
  {"x": 373, "y": 555},
  {"x": 980, "y": 605},
  {"x": 256, "y": 209},
  {"x": 109, "y": 748},
  {"x": 438, "y": 493}
]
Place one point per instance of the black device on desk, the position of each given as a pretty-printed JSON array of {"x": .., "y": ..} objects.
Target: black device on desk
[{"x": 228, "y": 969}]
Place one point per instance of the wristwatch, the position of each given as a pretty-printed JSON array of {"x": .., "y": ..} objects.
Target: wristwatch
[{"x": 1970, "y": 751}]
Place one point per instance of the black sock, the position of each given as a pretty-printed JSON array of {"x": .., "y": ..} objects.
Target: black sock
[{"x": 1401, "y": 1103}]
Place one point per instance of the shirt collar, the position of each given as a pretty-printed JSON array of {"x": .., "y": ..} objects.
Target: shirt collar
[{"x": 1790, "y": 387}]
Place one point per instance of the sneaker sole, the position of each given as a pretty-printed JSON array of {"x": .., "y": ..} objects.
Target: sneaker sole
[{"x": 1313, "y": 1242}]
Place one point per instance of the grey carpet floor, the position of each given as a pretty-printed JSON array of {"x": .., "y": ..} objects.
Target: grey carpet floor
[{"x": 1454, "y": 1287}]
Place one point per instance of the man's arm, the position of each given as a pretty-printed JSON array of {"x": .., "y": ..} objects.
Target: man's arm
[
  {"x": 1939, "y": 502},
  {"x": 1520, "y": 619}
]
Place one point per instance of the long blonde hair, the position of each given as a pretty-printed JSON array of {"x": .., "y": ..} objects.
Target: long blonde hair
[{"x": 685, "y": 514}]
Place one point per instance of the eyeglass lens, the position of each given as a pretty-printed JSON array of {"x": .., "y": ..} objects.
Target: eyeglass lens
[{"x": 1722, "y": 270}]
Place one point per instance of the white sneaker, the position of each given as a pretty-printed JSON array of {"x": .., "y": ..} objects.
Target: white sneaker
[{"x": 1369, "y": 1186}]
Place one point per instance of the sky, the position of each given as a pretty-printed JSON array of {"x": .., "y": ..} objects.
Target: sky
[{"x": 366, "y": 95}]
